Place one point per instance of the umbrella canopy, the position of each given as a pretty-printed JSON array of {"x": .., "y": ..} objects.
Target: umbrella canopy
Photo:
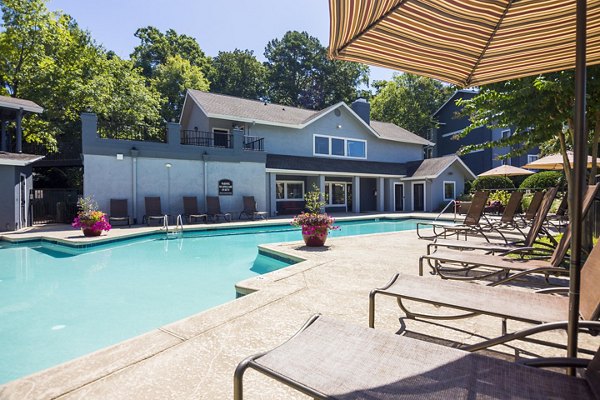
[
  {"x": 467, "y": 43},
  {"x": 506, "y": 170},
  {"x": 555, "y": 162},
  {"x": 474, "y": 42}
]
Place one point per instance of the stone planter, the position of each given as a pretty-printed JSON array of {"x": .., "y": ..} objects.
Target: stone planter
[
  {"x": 317, "y": 239},
  {"x": 89, "y": 232}
]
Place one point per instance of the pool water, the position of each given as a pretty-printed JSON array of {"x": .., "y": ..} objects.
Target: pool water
[{"x": 59, "y": 302}]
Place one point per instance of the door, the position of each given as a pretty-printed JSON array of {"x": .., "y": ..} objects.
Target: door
[
  {"x": 23, "y": 201},
  {"x": 418, "y": 197},
  {"x": 398, "y": 197}
]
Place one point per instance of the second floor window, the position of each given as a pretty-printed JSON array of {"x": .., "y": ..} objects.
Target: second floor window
[{"x": 340, "y": 147}]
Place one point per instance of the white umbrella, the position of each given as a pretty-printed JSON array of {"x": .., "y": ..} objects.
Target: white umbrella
[{"x": 506, "y": 170}]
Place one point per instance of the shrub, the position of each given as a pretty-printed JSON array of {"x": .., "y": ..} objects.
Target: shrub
[
  {"x": 499, "y": 195},
  {"x": 468, "y": 186},
  {"x": 492, "y": 182},
  {"x": 541, "y": 180},
  {"x": 526, "y": 201}
]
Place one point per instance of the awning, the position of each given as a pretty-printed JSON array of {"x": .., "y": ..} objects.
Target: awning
[{"x": 463, "y": 42}]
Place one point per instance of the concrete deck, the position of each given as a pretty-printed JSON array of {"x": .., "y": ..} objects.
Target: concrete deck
[{"x": 195, "y": 358}]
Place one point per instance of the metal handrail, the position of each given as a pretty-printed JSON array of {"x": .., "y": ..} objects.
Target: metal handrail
[
  {"x": 445, "y": 208},
  {"x": 179, "y": 224},
  {"x": 166, "y": 223}
]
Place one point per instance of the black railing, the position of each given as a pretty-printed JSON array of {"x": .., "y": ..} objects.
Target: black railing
[
  {"x": 53, "y": 205},
  {"x": 206, "y": 139},
  {"x": 254, "y": 143},
  {"x": 140, "y": 132}
]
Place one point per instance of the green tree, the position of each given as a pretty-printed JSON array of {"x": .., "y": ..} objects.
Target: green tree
[
  {"x": 540, "y": 109},
  {"x": 300, "y": 74},
  {"x": 238, "y": 73},
  {"x": 172, "y": 79},
  {"x": 408, "y": 101},
  {"x": 156, "y": 47},
  {"x": 45, "y": 57}
]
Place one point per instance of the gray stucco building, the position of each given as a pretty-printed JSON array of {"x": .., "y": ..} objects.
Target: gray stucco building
[{"x": 272, "y": 152}]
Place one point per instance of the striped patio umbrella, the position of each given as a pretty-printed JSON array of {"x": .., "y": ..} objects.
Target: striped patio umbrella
[
  {"x": 554, "y": 162},
  {"x": 506, "y": 170},
  {"x": 475, "y": 42},
  {"x": 468, "y": 43}
]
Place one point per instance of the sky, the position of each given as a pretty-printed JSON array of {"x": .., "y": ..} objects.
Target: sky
[{"x": 221, "y": 25}]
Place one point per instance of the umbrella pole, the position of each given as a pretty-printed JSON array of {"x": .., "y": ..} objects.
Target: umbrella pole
[{"x": 579, "y": 169}]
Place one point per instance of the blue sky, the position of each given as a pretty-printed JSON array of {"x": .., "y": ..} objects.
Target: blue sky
[{"x": 216, "y": 25}]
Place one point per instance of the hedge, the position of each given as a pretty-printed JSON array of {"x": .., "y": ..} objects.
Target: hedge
[
  {"x": 541, "y": 180},
  {"x": 492, "y": 182}
]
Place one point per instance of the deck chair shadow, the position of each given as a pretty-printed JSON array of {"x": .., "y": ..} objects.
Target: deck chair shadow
[
  {"x": 546, "y": 311},
  {"x": 153, "y": 210},
  {"x": 190, "y": 210},
  {"x": 471, "y": 224},
  {"x": 329, "y": 359},
  {"x": 250, "y": 211},
  {"x": 448, "y": 263},
  {"x": 213, "y": 209},
  {"x": 119, "y": 211}
]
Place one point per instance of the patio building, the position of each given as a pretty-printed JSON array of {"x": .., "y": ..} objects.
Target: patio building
[
  {"x": 275, "y": 153},
  {"x": 15, "y": 166}
]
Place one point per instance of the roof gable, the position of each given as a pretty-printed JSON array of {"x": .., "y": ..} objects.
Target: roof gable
[
  {"x": 460, "y": 91},
  {"x": 431, "y": 168}
]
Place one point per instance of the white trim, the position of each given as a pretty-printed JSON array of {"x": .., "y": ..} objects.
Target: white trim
[
  {"x": 452, "y": 133},
  {"x": 502, "y": 133},
  {"x": 476, "y": 151},
  {"x": 333, "y": 173},
  {"x": 403, "y": 196},
  {"x": 424, "y": 183},
  {"x": 285, "y": 190},
  {"x": 453, "y": 190},
  {"x": 345, "y": 139},
  {"x": 22, "y": 201}
]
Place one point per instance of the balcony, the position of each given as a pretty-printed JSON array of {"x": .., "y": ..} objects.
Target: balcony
[{"x": 220, "y": 140}]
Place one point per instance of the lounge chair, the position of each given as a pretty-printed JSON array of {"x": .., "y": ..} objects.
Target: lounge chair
[
  {"x": 153, "y": 210},
  {"x": 533, "y": 208},
  {"x": 506, "y": 245},
  {"x": 561, "y": 216},
  {"x": 470, "y": 225},
  {"x": 502, "y": 264},
  {"x": 329, "y": 359},
  {"x": 190, "y": 210},
  {"x": 213, "y": 207},
  {"x": 507, "y": 221},
  {"x": 547, "y": 311},
  {"x": 250, "y": 210},
  {"x": 119, "y": 211}
]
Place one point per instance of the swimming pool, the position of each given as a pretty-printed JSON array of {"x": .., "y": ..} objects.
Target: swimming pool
[{"x": 59, "y": 302}]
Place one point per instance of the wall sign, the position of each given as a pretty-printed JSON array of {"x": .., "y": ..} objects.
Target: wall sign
[{"x": 225, "y": 187}]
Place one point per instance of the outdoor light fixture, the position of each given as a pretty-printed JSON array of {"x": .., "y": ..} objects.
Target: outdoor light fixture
[
  {"x": 339, "y": 126},
  {"x": 168, "y": 165}
]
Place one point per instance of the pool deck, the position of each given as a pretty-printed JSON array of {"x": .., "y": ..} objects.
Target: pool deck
[{"x": 195, "y": 358}]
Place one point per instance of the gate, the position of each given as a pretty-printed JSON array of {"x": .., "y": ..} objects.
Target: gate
[{"x": 53, "y": 205}]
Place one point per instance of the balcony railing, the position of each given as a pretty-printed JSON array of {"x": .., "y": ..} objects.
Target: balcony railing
[
  {"x": 254, "y": 143},
  {"x": 206, "y": 139},
  {"x": 109, "y": 130}
]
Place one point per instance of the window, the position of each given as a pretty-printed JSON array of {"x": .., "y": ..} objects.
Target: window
[
  {"x": 357, "y": 149},
  {"x": 505, "y": 134},
  {"x": 289, "y": 190},
  {"x": 221, "y": 138},
  {"x": 336, "y": 193},
  {"x": 532, "y": 157},
  {"x": 428, "y": 152},
  {"x": 339, "y": 147},
  {"x": 449, "y": 190},
  {"x": 507, "y": 161},
  {"x": 321, "y": 145}
]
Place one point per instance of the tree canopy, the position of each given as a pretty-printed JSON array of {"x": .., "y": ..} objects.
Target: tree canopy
[
  {"x": 238, "y": 73},
  {"x": 408, "y": 101},
  {"x": 301, "y": 75}
]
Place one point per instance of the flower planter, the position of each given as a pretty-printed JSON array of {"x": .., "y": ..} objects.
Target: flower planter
[
  {"x": 89, "y": 232},
  {"x": 316, "y": 239}
]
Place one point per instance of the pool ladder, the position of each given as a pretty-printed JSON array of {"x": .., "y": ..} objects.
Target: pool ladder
[{"x": 175, "y": 233}]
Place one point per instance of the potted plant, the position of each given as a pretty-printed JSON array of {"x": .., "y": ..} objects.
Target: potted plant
[
  {"x": 315, "y": 224},
  {"x": 89, "y": 219}
]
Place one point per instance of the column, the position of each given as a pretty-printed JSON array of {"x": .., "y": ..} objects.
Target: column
[
  {"x": 322, "y": 187},
  {"x": 356, "y": 194},
  {"x": 272, "y": 194},
  {"x": 3, "y": 138},
  {"x": 380, "y": 194},
  {"x": 19, "y": 136}
]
